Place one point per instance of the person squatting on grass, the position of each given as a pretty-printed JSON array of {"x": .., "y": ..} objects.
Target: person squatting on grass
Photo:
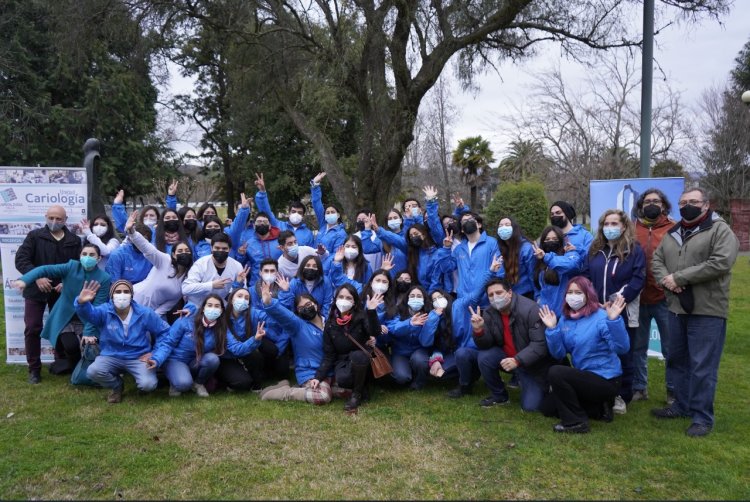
[{"x": 470, "y": 306}]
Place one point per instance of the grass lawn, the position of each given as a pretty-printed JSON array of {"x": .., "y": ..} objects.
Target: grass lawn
[{"x": 60, "y": 442}]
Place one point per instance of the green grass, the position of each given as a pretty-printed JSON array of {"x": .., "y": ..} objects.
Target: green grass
[{"x": 62, "y": 442}]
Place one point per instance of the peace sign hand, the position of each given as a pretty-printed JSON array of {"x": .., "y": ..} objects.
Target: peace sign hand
[
  {"x": 260, "y": 182},
  {"x": 265, "y": 293},
  {"x": 547, "y": 316},
  {"x": 244, "y": 204},
  {"x": 260, "y": 331},
  {"x": 538, "y": 252},
  {"x": 448, "y": 239},
  {"x": 242, "y": 275},
  {"x": 477, "y": 322},
  {"x": 497, "y": 262},
  {"x": 172, "y": 190}
]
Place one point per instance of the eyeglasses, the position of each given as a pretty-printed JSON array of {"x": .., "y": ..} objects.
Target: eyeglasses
[
  {"x": 692, "y": 202},
  {"x": 653, "y": 201}
]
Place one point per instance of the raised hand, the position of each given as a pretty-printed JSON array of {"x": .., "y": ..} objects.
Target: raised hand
[
  {"x": 131, "y": 222},
  {"x": 615, "y": 308},
  {"x": 373, "y": 223},
  {"x": 282, "y": 282},
  {"x": 119, "y": 197},
  {"x": 321, "y": 250},
  {"x": 243, "y": 201},
  {"x": 419, "y": 319},
  {"x": 547, "y": 316},
  {"x": 477, "y": 322},
  {"x": 242, "y": 249},
  {"x": 85, "y": 227},
  {"x": 339, "y": 256},
  {"x": 448, "y": 239},
  {"x": 265, "y": 293},
  {"x": 368, "y": 222},
  {"x": 88, "y": 292},
  {"x": 319, "y": 177},
  {"x": 172, "y": 190},
  {"x": 497, "y": 262},
  {"x": 538, "y": 252},
  {"x": 457, "y": 200},
  {"x": 387, "y": 263},
  {"x": 430, "y": 192},
  {"x": 374, "y": 302},
  {"x": 242, "y": 275},
  {"x": 260, "y": 182},
  {"x": 260, "y": 331}
]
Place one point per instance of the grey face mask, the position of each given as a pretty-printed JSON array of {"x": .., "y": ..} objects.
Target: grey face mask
[{"x": 55, "y": 226}]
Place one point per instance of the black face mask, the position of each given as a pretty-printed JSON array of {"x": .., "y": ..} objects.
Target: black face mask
[
  {"x": 309, "y": 274},
  {"x": 261, "y": 229},
  {"x": 208, "y": 233},
  {"x": 190, "y": 225},
  {"x": 220, "y": 256},
  {"x": 308, "y": 312},
  {"x": 171, "y": 225},
  {"x": 455, "y": 228},
  {"x": 206, "y": 218},
  {"x": 689, "y": 212},
  {"x": 551, "y": 246},
  {"x": 402, "y": 286},
  {"x": 416, "y": 241},
  {"x": 184, "y": 259},
  {"x": 469, "y": 227},
  {"x": 360, "y": 225},
  {"x": 652, "y": 211},
  {"x": 559, "y": 221}
]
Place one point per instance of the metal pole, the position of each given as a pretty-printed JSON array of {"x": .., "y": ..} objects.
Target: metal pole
[
  {"x": 90, "y": 162},
  {"x": 647, "y": 67}
]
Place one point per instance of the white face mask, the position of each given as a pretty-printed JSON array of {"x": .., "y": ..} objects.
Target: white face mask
[
  {"x": 149, "y": 222},
  {"x": 344, "y": 305},
  {"x": 351, "y": 253},
  {"x": 240, "y": 304},
  {"x": 499, "y": 302},
  {"x": 269, "y": 277},
  {"x": 121, "y": 300},
  {"x": 394, "y": 224},
  {"x": 295, "y": 218},
  {"x": 575, "y": 301},
  {"x": 99, "y": 230},
  {"x": 440, "y": 303},
  {"x": 379, "y": 288}
]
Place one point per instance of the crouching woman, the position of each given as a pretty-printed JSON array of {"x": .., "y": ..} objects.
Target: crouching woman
[
  {"x": 125, "y": 335},
  {"x": 594, "y": 337}
]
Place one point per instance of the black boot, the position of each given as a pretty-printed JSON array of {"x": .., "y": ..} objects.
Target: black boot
[{"x": 360, "y": 378}]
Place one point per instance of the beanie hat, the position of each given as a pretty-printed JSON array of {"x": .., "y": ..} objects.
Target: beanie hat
[
  {"x": 567, "y": 209},
  {"x": 120, "y": 282}
]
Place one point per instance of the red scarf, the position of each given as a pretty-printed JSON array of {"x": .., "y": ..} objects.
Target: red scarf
[{"x": 343, "y": 320}]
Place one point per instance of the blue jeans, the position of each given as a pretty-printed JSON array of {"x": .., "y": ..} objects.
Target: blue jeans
[
  {"x": 106, "y": 370},
  {"x": 468, "y": 368},
  {"x": 180, "y": 375},
  {"x": 696, "y": 344},
  {"x": 532, "y": 392},
  {"x": 660, "y": 313},
  {"x": 414, "y": 367}
]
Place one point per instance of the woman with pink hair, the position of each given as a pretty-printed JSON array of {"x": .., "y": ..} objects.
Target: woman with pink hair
[{"x": 594, "y": 337}]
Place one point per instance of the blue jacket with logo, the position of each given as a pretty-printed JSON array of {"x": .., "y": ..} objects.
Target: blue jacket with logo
[{"x": 126, "y": 262}]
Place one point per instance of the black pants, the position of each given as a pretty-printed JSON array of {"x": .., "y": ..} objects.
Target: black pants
[
  {"x": 242, "y": 373},
  {"x": 347, "y": 367},
  {"x": 628, "y": 368},
  {"x": 67, "y": 353},
  {"x": 580, "y": 394},
  {"x": 32, "y": 318}
]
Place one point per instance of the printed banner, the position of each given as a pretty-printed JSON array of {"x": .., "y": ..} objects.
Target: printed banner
[
  {"x": 25, "y": 195},
  {"x": 623, "y": 195}
]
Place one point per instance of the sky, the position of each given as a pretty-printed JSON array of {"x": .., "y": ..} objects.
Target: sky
[{"x": 693, "y": 58}]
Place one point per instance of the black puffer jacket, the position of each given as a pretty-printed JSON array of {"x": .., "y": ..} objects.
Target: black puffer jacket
[
  {"x": 336, "y": 345},
  {"x": 41, "y": 248}
]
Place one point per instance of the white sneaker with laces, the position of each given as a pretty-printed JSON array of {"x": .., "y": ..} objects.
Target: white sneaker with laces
[
  {"x": 620, "y": 407},
  {"x": 200, "y": 389}
]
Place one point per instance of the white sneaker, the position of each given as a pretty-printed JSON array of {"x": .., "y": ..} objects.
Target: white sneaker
[
  {"x": 200, "y": 389},
  {"x": 174, "y": 392},
  {"x": 620, "y": 407}
]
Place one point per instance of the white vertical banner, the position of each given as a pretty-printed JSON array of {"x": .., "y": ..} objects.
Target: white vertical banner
[{"x": 25, "y": 195}]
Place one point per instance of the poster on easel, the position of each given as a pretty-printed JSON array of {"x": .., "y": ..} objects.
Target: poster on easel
[{"x": 25, "y": 195}]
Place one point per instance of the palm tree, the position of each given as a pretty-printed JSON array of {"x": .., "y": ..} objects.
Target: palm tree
[
  {"x": 525, "y": 160},
  {"x": 473, "y": 156}
]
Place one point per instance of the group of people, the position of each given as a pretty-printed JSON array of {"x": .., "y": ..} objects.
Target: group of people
[{"x": 564, "y": 315}]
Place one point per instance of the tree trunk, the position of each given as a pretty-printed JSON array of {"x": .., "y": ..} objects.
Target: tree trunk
[{"x": 474, "y": 198}]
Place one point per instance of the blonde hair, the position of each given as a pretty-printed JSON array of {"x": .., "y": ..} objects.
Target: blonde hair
[{"x": 622, "y": 246}]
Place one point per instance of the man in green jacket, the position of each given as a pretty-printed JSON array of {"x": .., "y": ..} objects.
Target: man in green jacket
[{"x": 694, "y": 264}]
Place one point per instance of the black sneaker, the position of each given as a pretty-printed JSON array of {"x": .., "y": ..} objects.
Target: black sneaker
[
  {"x": 579, "y": 428},
  {"x": 513, "y": 383},
  {"x": 698, "y": 430},
  {"x": 35, "y": 378},
  {"x": 667, "y": 412},
  {"x": 491, "y": 401},
  {"x": 460, "y": 391}
]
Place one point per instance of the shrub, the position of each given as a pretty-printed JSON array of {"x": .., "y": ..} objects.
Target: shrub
[{"x": 524, "y": 201}]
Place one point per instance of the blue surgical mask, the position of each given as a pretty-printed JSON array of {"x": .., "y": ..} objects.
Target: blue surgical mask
[
  {"x": 332, "y": 218},
  {"x": 394, "y": 224},
  {"x": 212, "y": 313},
  {"x": 504, "y": 232},
  {"x": 415, "y": 211},
  {"x": 88, "y": 262},
  {"x": 240, "y": 304},
  {"x": 293, "y": 251},
  {"x": 612, "y": 233},
  {"x": 416, "y": 303}
]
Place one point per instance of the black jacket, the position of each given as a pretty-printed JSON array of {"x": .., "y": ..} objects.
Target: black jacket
[
  {"x": 336, "y": 345},
  {"x": 40, "y": 248},
  {"x": 528, "y": 334}
]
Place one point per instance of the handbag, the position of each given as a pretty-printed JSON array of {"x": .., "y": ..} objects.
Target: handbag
[
  {"x": 379, "y": 362},
  {"x": 88, "y": 354}
]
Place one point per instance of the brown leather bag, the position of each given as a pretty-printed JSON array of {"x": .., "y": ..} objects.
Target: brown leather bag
[{"x": 379, "y": 362}]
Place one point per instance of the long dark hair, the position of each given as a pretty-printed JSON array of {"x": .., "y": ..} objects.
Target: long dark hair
[
  {"x": 209, "y": 219},
  {"x": 247, "y": 315},
  {"x": 303, "y": 263},
  {"x": 360, "y": 263},
  {"x": 179, "y": 270},
  {"x": 356, "y": 310},
  {"x": 220, "y": 328},
  {"x": 110, "y": 233},
  {"x": 403, "y": 307},
  {"x": 182, "y": 212},
  {"x": 161, "y": 243},
  {"x": 146, "y": 209},
  {"x": 550, "y": 275},
  {"x": 412, "y": 252},
  {"x": 444, "y": 335},
  {"x": 203, "y": 208},
  {"x": 511, "y": 251},
  {"x": 389, "y": 298}
]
